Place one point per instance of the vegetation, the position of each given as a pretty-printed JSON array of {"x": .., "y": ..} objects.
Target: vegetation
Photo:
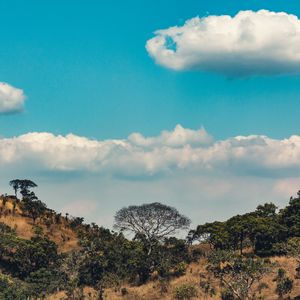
[
  {"x": 152, "y": 222},
  {"x": 284, "y": 284},
  {"x": 243, "y": 251},
  {"x": 185, "y": 292}
]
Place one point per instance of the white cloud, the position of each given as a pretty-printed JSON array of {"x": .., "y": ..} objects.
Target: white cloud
[
  {"x": 250, "y": 43},
  {"x": 185, "y": 168},
  {"x": 11, "y": 99},
  {"x": 178, "y": 137},
  {"x": 181, "y": 150}
]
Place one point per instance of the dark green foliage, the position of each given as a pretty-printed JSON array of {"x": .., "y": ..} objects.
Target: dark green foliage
[
  {"x": 30, "y": 256},
  {"x": 75, "y": 222},
  {"x": 262, "y": 230},
  {"x": 13, "y": 289},
  {"x": 227, "y": 295},
  {"x": 33, "y": 207},
  {"x": 290, "y": 216},
  {"x": 284, "y": 284},
  {"x": 107, "y": 252},
  {"x": 213, "y": 233},
  {"x": 24, "y": 185},
  {"x": 44, "y": 281}
]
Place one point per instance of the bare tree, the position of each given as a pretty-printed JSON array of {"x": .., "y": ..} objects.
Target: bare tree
[{"x": 154, "y": 221}]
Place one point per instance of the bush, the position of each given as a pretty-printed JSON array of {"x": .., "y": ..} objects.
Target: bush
[
  {"x": 124, "y": 291},
  {"x": 185, "y": 292},
  {"x": 196, "y": 254},
  {"x": 227, "y": 295},
  {"x": 284, "y": 283},
  {"x": 207, "y": 287},
  {"x": 180, "y": 269}
]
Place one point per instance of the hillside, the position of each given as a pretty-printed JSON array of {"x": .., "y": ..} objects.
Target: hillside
[
  {"x": 44, "y": 255},
  {"x": 194, "y": 273},
  {"x": 62, "y": 234}
]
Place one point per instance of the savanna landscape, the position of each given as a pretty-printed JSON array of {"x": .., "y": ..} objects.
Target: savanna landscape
[
  {"x": 149, "y": 150},
  {"x": 47, "y": 255}
]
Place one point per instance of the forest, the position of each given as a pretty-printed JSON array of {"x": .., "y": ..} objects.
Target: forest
[{"x": 47, "y": 255}]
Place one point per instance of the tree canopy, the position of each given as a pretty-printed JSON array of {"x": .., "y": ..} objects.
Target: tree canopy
[
  {"x": 24, "y": 185},
  {"x": 154, "y": 221}
]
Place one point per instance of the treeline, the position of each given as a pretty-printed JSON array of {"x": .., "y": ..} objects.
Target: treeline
[{"x": 265, "y": 230}]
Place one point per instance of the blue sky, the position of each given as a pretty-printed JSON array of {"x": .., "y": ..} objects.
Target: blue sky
[{"x": 85, "y": 70}]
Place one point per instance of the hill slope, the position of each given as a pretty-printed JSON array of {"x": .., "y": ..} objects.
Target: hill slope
[
  {"x": 111, "y": 249},
  {"x": 59, "y": 232}
]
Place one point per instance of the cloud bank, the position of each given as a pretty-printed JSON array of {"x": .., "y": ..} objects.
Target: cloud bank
[
  {"x": 11, "y": 99},
  {"x": 178, "y": 151},
  {"x": 250, "y": 43}
]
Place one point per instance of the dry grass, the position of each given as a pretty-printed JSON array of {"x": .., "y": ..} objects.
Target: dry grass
[
  {"x": 151, "y": 290},
  {"x": 61, "y": 234},
  {"x": 66, "y": 240}
]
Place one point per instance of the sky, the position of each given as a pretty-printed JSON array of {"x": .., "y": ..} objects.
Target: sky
[{"x": 190, "y": 103}]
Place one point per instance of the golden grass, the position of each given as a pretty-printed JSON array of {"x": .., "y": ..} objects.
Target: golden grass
[
  {"x": 151, "y": 290},
  {"x": 61, "y": 234}
]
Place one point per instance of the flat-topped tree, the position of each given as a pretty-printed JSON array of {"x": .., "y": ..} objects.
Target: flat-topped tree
[
  {"x": 154, "y": 221},
  {"x": 24, "y": 185}
]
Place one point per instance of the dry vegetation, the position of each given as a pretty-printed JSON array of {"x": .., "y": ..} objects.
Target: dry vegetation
[
  {"x": 196, "y": 271},
  {"x": 61, "y": 234},
  {"x": 66, "y": 240}
]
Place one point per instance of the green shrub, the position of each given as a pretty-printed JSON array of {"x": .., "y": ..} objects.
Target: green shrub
[
  {"x": 185, "y": 291},
  {"x": 284, "y": 283},
  {"x": 180, "y": 269}
]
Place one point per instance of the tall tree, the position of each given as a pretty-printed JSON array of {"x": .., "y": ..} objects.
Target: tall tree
[
  {"x": 154, "y": 221},
  {"x": 24, "y": 185},
  {"x": 290, "y": 216},
  {"x": 15, "y": 184}
]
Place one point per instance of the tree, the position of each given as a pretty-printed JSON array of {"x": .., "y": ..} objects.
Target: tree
[
  {"x": 154, "y": 221},
  {"x": 15, "y": 184},
  {"x": 290, "y": 216},
  {"x": 71, "y": 268},
  {"x": 24, "y": 185},
  {"x": 216, "y": 234},
  {"x": 237, "y": 273},
  {"x": 266, "y": 210},
  {"x": 30, "y": 256},
  {"x": 238, "y": 228},
  {"x": 34, "y": 208}
]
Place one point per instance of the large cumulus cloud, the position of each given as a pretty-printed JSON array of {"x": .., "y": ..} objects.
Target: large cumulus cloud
[
  {"x": 180, "y": 150},
  {"x": 11, "y": 99},
  {"x": 250, "y": 43}
]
